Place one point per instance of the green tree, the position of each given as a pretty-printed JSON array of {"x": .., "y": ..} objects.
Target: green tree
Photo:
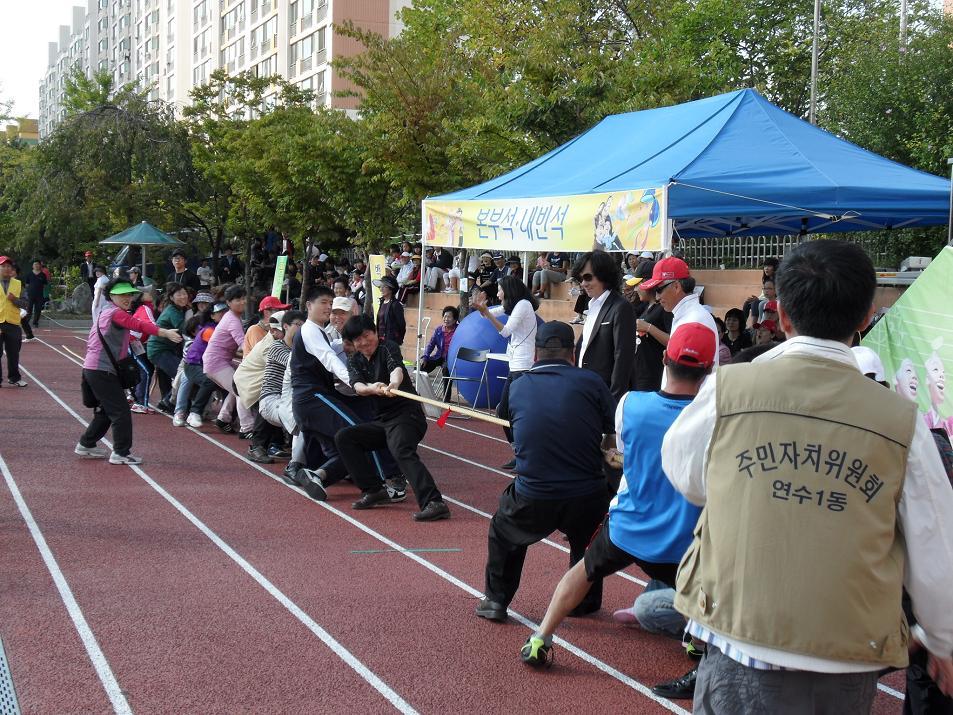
[{"x": 83, "y": 93}]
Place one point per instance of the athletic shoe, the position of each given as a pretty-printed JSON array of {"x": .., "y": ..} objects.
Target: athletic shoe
[
  {"x": 165, "y": 407},
  {"x": 625, "y": 616},
  {"x": 369, "y": 500},
  {"x": 395, "y": 492},
  {"x": 124, "y": 459},
  {"x": 91, "y": 452},
  {"x": 536, "y": 653},
  {"x": 194, "y": 420},
  {"x": 434, "y": 511},
  {"x": 279, "y": 452},
  {"x": 258, "y": 454},
  {"x": 17, "y": 383},
  {"x": 224, "y": 426},
  {"x": 511, "y": 465},
  {"x": 681, "y": 688},
  {"x": 244, "y": 435},
  {"x": 178, "y": 420},
  {"x": 491, "y": 610},
  {"x": 312, "y": 482},
  {"x": 29, "y": 339},
  {"x": 138, "y": 409}
]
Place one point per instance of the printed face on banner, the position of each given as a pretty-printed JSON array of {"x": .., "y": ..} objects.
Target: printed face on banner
[
  {"x": 915, "y": 342},
  {"x": 623, "y": 221}
]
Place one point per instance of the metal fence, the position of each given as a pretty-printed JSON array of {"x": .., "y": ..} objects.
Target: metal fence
[{"x": 750, "y": 252}]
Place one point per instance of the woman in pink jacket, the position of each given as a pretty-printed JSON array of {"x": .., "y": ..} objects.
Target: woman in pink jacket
[{"x": 225, "y": 345}]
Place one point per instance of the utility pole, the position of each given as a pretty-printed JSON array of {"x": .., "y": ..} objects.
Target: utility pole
[{"x": 812, "y": 112}]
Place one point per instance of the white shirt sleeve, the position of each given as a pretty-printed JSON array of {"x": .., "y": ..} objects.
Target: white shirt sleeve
[
  {"x": 926, "y": 518},
  {"x": 619, "y": 410},
  {"x": 521, "y": 322},
  {"x": 319, "y": 347},
  {"x": 685, "y": 445}
]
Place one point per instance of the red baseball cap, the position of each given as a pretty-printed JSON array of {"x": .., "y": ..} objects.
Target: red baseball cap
[
  {"x": 269, "y": 302},
  {"x": 768, "y": 325},
  {"x": 692, "y": 345},
  {"x": 88, "y": 254},
  {"x": 5, "y": 259},
  {"x": 665, "y": 271}
]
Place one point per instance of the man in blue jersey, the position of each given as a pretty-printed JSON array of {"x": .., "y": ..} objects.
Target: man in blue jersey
[{"x": 649, "y": 523}]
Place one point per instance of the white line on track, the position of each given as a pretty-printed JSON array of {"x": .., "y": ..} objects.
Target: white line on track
[
  {"x": 96, "y": 655},
  {"x": 343, "y": 653},
  {"x": 582, "y": 654},
  {"x": 471, "y": 431},
  {"x": 569, "y": 647}
]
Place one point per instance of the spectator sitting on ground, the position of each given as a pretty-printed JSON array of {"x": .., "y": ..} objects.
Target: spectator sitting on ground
[
  {"x": 437, "y": 351},
  {"x": 554, "y": 269}
]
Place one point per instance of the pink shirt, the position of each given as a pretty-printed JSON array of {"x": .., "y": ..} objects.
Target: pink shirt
[{"x": 226, "y": 339}]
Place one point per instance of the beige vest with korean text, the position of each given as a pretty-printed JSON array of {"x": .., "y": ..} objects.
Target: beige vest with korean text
[{"x": 798, "y": 547}]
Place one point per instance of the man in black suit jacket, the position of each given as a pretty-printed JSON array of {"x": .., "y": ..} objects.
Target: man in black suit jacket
[
  {"x": 229, "y": 267},
  {"x": 87, "y": 270},
  {"x": 607, "y": 345}
]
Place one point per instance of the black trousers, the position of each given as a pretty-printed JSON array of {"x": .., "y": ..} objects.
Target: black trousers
[
  {"x": 113, "y": 411},
  {"x": 428, "y": 365},
  {"x": 520, "y": 522},
  {"x": 10, "y": 336},
  {"x": 401, "y": 436},
  {"x": 264, "y": 433},
  {"x": 206, "y": 388},
  {"x": 36, "y": 309},
  {"x": 320, "y": 419}
]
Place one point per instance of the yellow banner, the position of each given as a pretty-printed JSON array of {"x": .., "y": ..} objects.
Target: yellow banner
[
  {"x": 376, "y": 264},
  {"x": 633, "y": 220}
]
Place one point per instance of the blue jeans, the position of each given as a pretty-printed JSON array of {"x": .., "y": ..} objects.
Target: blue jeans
[
  {"x": 182, "y": 396},
  {"x": 656, "y": 612},
  {"x": 145, "y": 372}
]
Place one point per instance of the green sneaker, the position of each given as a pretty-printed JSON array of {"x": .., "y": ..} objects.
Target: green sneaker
[{"x": 536, "y": 653}]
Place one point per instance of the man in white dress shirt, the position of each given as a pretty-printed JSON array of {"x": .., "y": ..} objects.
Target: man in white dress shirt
[{"x": 823, "y": 495}]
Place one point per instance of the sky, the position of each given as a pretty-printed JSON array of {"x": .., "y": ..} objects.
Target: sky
[{"x": 26, "y": 27}]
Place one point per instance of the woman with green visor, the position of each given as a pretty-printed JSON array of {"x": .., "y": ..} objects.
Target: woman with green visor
[{"x": 106, "y": 346}]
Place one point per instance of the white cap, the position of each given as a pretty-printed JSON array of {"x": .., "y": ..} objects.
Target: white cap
[
  {"x": 275, "y": 320},
  {"x": 341, "y": 303},
  {"x": 646, "y": 254},
  {"x": 869, "y": 362},
  {"x": 323, "y": 257},
  {"x": 406, "y": 254}
]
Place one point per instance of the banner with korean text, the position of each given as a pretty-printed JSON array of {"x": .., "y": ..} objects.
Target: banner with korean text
[
  {"x": 633, "y": 220},
  {"x": 915, "y": 342},
  {"x": 377, "y": 265}
]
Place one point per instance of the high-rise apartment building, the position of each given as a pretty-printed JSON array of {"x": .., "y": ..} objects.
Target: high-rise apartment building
[{"x": 171, "y": 46}]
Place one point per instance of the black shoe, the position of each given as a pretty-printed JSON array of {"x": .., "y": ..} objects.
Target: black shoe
[
  {"x": 224, "y": 426},
  {"x": 369, "y": 500},
  {"x": 397, "y": 489},
  {"x": 312, "y": 481},
  {"x": 434, "y": 511},
  {"x": 679, "y": 689},
  {"x": 491, "y": 610},
  {"x": 164, "y": 406},
  {"x": 244, "y": 435},
  {"x": 288, "y": 474},
  {"x": 511, "y": 465},
  {"x": 258, "y": 454}
]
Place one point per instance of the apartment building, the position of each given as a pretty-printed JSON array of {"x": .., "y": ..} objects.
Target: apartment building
[{"x": 171, "y": 46}]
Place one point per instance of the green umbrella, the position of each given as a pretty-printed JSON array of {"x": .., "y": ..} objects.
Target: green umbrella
[{"x": 142, "y": 235}]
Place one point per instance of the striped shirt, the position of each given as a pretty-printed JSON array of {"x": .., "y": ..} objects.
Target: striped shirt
[{"x": 277, "y": 361}]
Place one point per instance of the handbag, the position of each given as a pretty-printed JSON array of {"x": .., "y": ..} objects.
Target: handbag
[{"x": 127, "y": 369}]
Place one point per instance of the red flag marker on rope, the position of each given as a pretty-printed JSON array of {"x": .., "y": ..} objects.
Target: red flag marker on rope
[{"x": 442, "y": 420}]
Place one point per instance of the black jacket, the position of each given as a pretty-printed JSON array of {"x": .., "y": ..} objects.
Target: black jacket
[
  {"x": 444, "y": 260},
  {"x": 390, "y": 321},
  {"x": 611, "y": 351}
]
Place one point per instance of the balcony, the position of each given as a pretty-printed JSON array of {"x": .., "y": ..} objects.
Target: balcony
[
  {"x": 253, "y": 50},
  {"x": 320, "y": 57},
  {"x": 320, "y": 13}
]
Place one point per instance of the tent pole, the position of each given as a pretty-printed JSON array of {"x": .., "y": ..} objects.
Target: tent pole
[
  {"x": 143, "y": 248},
  {"x": 526, "y": 269},
  {"x": 421, "y": 294},
  {"x": 812, "y": 112},
  {"x": 949, "y": 225}
]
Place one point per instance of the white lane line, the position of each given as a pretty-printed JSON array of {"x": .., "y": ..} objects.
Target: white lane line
[
  {"x": 96, "y": 655},
  {"x": 343, "y": 653},
  {"x": 548, "y": 542},
  {"x": 464, "y": 429},
  {"x": 569, "y": 647}
]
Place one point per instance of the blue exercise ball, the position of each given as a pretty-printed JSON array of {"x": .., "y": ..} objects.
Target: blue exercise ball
[{"x": 477, "y": 333}]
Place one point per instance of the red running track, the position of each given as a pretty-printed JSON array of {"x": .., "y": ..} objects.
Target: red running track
[{"x": 208, "y": 585}]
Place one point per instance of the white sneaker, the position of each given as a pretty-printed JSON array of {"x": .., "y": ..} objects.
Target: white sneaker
[
  {"x": 128, "y": 459},
  {"x": 90, "y": 452},
  {"x": 178, "y": 420},
  {"x": 194, "y": 420}
]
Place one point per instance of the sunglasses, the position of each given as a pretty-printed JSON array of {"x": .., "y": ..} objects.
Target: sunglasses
[
  {"x": 586, "y": 277},
  {"x": 661, "y": 289}
]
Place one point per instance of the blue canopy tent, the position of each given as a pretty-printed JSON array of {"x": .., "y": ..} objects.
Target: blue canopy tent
[
  {"x": 733, "y": 164},
  {"x": 142, "y": 235}
]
